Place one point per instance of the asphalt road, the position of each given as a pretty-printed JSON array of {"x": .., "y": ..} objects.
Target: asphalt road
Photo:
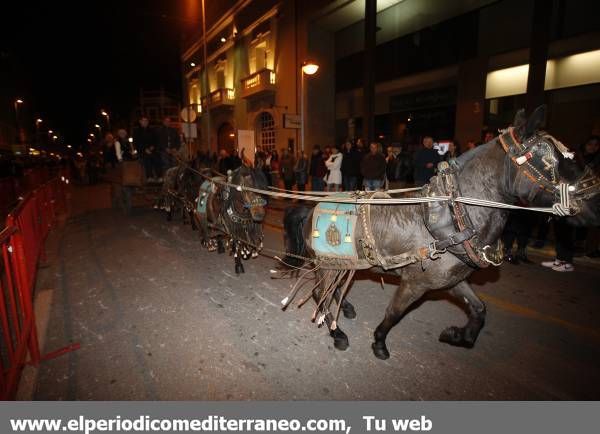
[{"x": 158, "y": 317}]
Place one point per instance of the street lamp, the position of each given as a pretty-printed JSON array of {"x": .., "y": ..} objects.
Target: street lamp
[
  {"x": 38, "y": 121},
  {"x": 17, "y": 103},
  {"x": 308, "y": 68},
  {"x": 107, "y": 116}
]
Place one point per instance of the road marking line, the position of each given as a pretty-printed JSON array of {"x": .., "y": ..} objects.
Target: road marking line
[{"x": 533, "y": 314}]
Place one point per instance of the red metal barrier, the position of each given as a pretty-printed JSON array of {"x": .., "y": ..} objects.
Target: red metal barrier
[{"x": 22, "y": 245}]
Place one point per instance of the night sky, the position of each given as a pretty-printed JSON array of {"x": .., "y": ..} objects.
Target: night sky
[{"x": 69, "y": 59}]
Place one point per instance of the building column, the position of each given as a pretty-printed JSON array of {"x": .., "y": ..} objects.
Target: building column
[
  {"x": 538, "y": 53},
  {"x": 369, "y": 78},
  {"x": 470, "y": 100}
]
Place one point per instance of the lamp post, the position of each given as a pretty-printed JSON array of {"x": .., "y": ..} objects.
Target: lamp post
[
  {"x": 107, "y": 116},
  {"x": 17, "y": 103},
  {"x": 308, "y": 68},
  {"x": 38, "y": 140}
]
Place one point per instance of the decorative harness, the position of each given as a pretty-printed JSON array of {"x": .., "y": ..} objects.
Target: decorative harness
[
  {"x": 449, "y": 222},
  {"x": 534, "y": 159}
]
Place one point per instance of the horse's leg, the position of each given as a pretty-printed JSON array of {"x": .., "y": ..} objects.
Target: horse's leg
[
  {"x": 405, "y": 296},
  {"x": 239, "y": 267},
  {"x": 169, "y": 210},
  {"x": 347, "y": 307},
  {"x": 220, "y": 245},
  {"x": 340, "y": 339},
  {"x": 467, "y": 335},
  {"x": 193, "y": 220}
]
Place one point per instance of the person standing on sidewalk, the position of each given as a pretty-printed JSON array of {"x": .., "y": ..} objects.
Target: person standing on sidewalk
[
  {"x": 317, "y": 169},
  {"x": 145, "y": 142},
  {"x": 565, "y": 247},
  {"x": 168, "y": 143},
  {"x": 426, "y": 159},
  {"x": 350, "y": 167},
  {"x": 286, "y": 169},
  {"x": 333, "y": 178},
  {"x": 301, "y": 171},
  {"x": 372, "y": 168}
]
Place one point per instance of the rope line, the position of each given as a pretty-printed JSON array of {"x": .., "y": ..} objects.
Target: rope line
[{"x": 383, "y": 201}]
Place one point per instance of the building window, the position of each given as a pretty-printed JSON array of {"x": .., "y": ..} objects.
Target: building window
[
  {"x": 266, "y": 132},
  {"x": 220, "y": 68},
  {"x": 195, "y": 97},
  {"x": 261, "y": 53}
]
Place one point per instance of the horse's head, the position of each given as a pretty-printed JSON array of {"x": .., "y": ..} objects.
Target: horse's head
[
  {"x": 246, "y": 176},
  {"x": 540, "y": 167},
  {"x": 584, "y": 185}
]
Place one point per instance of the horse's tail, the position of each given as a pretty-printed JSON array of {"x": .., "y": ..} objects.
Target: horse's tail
[{"x": 293, "y": 225}]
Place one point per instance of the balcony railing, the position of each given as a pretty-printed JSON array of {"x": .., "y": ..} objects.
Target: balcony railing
[
  {"x": 219, "y": 98},
  {"x": 260, "y": 82}
]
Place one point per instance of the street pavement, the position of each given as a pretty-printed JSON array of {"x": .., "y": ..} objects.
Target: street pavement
[{"x": 160, "y": 318}]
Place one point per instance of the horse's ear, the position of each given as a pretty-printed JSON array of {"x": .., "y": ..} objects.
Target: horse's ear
[
  {"x": 535, "y": 121},
  {"x": 520, "y": 119}
]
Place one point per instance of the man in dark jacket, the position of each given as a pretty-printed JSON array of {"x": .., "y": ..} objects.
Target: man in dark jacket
[
  {"x": 168, "y": 143},
  {"x": 372, "y": 168},
  {"x": 350, "y": 167},
  {"x": 426, "y": 160},
  {"x": 317, "y": 169},
  {"x": 144, "y": 141}
]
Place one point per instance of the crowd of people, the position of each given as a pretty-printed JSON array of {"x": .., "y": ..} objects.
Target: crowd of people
[
  {"x": 352, "y": 166},
  {"x": 157, "y": 149}
]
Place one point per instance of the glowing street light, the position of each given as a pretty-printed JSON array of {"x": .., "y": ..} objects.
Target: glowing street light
[
  {"x": 39, "y": 121},
  {"x": 308, "y": 68},
  {"x": 107, "y": 116},
  {"x": 19, "y": 101},
  {"x": 50, "y": 132},
  {"x": 92, "y": 135},
  {"x": 54, "y": 137},
  {"x": 192, "y": 64}
]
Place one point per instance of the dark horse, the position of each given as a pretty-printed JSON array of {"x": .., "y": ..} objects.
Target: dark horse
[
  {"x": 522, "y": 163},
  {"x": 231, "y": 213},
  {"x": 179, "y": 191}
]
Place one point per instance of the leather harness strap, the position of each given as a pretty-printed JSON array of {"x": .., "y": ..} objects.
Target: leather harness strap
[
  {"x": 466, "y": 236},
  {"x": 517, "y": 152}
]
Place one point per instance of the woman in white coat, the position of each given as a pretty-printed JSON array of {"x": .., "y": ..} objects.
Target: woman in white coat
[{"x": 333, "y": 178}]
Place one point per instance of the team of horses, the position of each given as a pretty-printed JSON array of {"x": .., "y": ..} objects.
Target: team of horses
[{"x": 523, "y": 164}]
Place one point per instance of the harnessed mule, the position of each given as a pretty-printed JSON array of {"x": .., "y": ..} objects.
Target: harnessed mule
[
  {"x": 178, "y": 192},
  {"x": 231, "y": 215},
  {"x": 438, "y": 245}
]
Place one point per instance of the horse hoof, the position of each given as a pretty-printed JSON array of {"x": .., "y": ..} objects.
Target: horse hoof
[
  {"x": 340, "y": 340},
  {"x": 380, "y": 350},
  {"x": 455, "y": 336},
  {"x": 349, "y": 312}
]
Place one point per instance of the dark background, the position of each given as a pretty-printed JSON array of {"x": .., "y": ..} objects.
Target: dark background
[{"x": 69, "y": 59}]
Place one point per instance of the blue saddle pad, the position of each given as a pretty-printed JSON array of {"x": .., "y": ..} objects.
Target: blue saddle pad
[
  {"x": 205, "y": 188},
  {"x": 333, "y": 229}
]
